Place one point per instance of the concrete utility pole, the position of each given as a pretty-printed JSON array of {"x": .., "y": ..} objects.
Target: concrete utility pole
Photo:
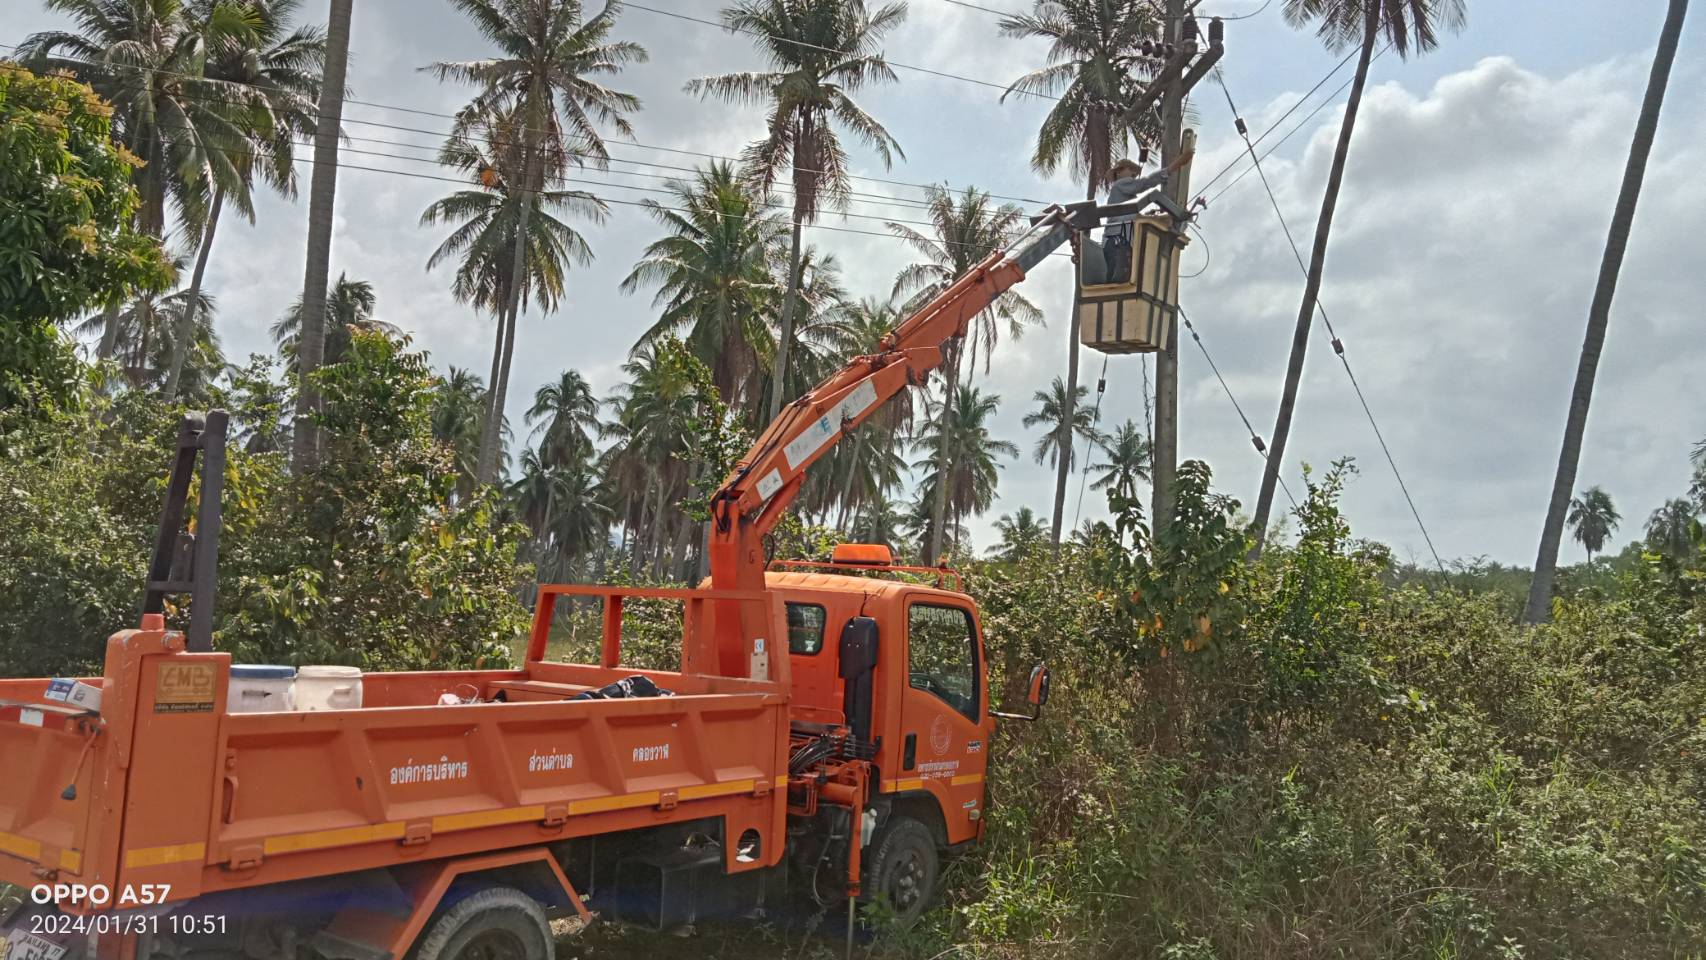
[{"x": 1165, "y": 454}]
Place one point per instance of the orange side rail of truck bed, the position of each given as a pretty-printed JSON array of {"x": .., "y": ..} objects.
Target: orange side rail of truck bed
[{"x": 165, "y": 790}]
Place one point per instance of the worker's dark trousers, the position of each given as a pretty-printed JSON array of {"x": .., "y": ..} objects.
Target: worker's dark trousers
[{"x": 1116, "y": 250}]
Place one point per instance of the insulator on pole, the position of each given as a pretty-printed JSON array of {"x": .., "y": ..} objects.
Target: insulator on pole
[
  {"x": 1338, "y": 346},
  {"x": 1102, "y": 385},
  {"x": 1243, "y": 131},
  {"x": 1216, "y": 32},
  {"x": 1191, "y": 29},
  {"x": 1143, "y": 154},
  {"x": 1261, "y": 447}
]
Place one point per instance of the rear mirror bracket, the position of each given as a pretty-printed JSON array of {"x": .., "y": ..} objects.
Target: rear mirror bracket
[{"x": 1036, "y": 696}]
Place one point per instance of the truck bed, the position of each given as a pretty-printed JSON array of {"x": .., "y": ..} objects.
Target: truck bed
[{"x": 175, "y": 790}]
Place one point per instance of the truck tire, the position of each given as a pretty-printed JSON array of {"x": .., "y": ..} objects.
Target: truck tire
[
  {"x": 496, "y": 923},
  {"x": 903, "y": 869}
]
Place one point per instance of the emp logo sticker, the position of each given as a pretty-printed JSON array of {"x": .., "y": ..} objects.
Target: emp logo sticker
[{"x": 185, "y": 688}]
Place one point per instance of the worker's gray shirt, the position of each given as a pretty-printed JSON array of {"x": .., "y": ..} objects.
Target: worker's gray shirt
[{"x": 1127, "y": 189}]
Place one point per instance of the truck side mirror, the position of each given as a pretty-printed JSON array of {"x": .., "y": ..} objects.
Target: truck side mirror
[{"x": 1036, "y": 694}]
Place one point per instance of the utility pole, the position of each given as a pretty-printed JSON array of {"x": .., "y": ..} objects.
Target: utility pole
[
  {"x": 1164, "y": 455},
  {"x": 1182, "y": 70}
]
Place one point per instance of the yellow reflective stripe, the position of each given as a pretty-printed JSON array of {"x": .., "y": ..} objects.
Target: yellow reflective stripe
[
  {"x": 702, "y": 791},
  {"x": 71, "y": 860},
  {"x": 901, "y": 786},
  {"x": 782, "y": 780},
  {"x": 332, "y": 838},
  {"x": 966, "y": 778},
  {"x": 650, "y": 798},
  {"x": 20, "y": 846},
  {"x": 487, "y": 818},
  {"x": 161, "y": 856}
]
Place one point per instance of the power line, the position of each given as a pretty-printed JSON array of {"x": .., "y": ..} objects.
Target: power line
[
  {"x": 1255, "y": 438},
  {"x": 1090, "y": 460},
  {"x": 1275, "y": 125},
  {"x": 1161, "y": 14},
  {"x": 1005, "y": 88},
  {"x": 376, "y": 105},
  {"x": 1338, "y": 344}
]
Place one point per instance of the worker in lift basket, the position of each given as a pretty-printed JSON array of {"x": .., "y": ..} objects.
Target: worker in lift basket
[{"x": 1126, "y": 184}]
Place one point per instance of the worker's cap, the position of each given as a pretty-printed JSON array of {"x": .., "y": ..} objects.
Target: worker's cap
[{"x": 1125, "y": 164}]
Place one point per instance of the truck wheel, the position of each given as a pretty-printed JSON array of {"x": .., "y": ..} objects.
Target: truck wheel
[
  {"x": 497, "y": 923},
  {"x": 903, "y": 869}
]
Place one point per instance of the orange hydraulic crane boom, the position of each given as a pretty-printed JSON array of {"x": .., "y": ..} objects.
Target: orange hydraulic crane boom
[{"x": 765, "y": 482}]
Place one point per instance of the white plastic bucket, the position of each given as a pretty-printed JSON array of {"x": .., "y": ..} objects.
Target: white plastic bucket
[
  {"x": 257, "y": 688},
  {"x": 328, "y": 688}
]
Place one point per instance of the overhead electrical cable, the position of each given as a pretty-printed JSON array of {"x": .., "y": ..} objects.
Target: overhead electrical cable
[{"x": 1338, "y": 344}]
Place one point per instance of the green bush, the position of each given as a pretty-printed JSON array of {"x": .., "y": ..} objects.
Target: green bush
[{"x": 371, "y": 560}]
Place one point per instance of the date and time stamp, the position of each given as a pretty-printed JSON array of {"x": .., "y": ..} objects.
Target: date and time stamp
[{"x": 129, "y": 911}]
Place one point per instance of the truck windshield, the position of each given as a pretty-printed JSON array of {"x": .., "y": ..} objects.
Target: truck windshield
[{"x": 942, "y": 651}]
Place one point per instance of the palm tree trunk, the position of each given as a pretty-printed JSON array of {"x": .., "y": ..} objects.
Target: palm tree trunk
[
  {"x": 109, "y": 332},
  {"x": 1063, "y": 444},
  {"x": 487, "y": 468},
  {"x": 939, "y": 509},
  {"x": 1539, "y": 607},
  {"x": 186, "y": 326},
  {"x": 497, "y": 367},
  {"x": 311, "y": 339},
  {"x": 790, "y": 302},
  {"x": 1312, "y": 285}
]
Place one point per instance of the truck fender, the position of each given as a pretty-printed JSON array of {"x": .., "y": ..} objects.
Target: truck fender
[{"x": 360, "y": 932}]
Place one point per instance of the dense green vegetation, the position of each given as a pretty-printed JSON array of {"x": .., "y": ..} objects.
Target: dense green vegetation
[{"x": 1322, "y": 752}]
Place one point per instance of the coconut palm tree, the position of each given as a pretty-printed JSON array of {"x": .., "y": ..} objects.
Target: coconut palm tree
[
  {"x": 276, "y": 71},
  {"x": 1697, "y": 485},
  {"x": 1674, "y": 530},
  {"x": 322, "y": 197},
  {"x": 1095, "y": 63},
  {"x": 485, "y": 219},
  {"x": 650, "y": 448},
  {"x": 1539, "y": 605},
  {"x": 1052, "y": 407},
  {"x": 458, "y": 414},
  {"x": 148, "y": 331},
  {"x": 349, "y": 306},
  {"x": 821, "y": 52},
  {"x": 566, "y": 414},
  {"x": 1020, "y": 532},
  {"x": 713, "y": 277},
  {"x": 961, "y": 460},
  {"x": 563, "y": 506},
  {"x": 544, "y": 82},
  {"x": 1128, "y": 460},
  {"x": 880, "y": 520},
  {"x": 1593, "y": 519},
  {"x": 146, "y": 58},
  {"x": 968, "y": 228},
  {"x": 864, "y": 467},
  {"x": 1407, "y": 26}
]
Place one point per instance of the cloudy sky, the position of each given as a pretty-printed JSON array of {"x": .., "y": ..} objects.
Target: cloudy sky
[{"x": 1480, "y": 184}]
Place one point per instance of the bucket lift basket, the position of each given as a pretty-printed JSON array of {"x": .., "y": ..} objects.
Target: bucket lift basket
[{"x": 1135, "y": 313}]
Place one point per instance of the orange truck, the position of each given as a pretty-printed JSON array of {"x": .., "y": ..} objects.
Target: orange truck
[{"x": 454, "y": 814}]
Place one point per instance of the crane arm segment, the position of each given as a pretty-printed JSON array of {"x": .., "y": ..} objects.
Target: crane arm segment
[{"x": 765, "y": 482}]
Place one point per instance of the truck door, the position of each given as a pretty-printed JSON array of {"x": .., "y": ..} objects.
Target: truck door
[{"x": 944, "y": 724}]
